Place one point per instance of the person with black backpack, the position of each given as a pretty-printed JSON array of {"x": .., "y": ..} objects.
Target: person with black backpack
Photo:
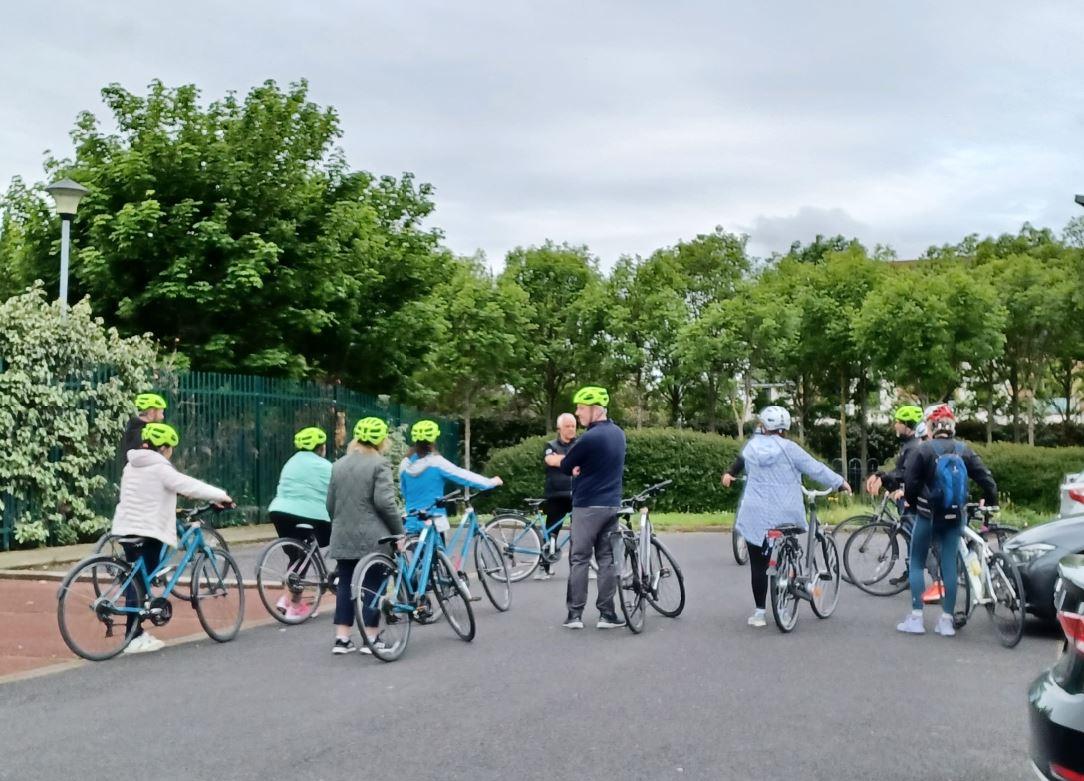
[{"x": 935, "y": 484}]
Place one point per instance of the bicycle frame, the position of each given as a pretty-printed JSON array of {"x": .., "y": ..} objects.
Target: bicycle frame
[
  {"x": 414, "y": 571},
  {"x": 982, "y": 588},
  {"x": 192, "y": 542},
  {"x": 534, "y": 523}
]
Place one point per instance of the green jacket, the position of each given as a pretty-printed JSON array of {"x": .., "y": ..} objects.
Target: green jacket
[{"x": 302, "y": 487}]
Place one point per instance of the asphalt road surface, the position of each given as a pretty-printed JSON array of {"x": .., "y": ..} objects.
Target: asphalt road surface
[{"x": 703, "y": 696}]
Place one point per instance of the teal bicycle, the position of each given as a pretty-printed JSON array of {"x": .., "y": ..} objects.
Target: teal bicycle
[
  {"x": 391, "y": 591},
  {"x": 488, "y": 561},
  {"x": 525, "y": 541},
  {"x": 100, "y": 598}
]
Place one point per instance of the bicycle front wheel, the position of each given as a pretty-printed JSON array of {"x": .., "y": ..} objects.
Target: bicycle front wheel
[
  {"x": 453, "y": 597},
  {"x": 290, "y": 580},
  {"x": 845, "y": 528},
  {"x": 519, "y": 543},
  {"x": 667, "y": 594},
  {"x": 1007, "y": 610},
  {"x": 630, "y": 587},
  {"x": 875, "y": 559},
  {"x": 378, "y": 588},
  {"x": 91, "y": 606},
  {"x": 824, "y": 582},
  {"x": 218, "y": 594},
  {"x": 739, "y": 547},
  {"x": 782, "y": 591},
  {"x": 493, "y": 572},
  {"x": 183, "y": 589}
]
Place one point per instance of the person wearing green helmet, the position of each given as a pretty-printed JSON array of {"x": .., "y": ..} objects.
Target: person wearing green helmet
[
  {"x": 905, "y": 420},
  {"x": 150, "y": 408},
  {"x": 361, "y": 502},
  {"x": 147, "y": 510},
  {"x": 597, "y": 462},
  {"x": 301, "y": 498}
]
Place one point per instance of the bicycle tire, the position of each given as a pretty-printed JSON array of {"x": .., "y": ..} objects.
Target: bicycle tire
[
  {"x": 739, "y": 547},
  {"x": 1005, "y": 576},
  {"x": 212, "y": 539},
  {"x": 79, "y": 591},
  {"x": 842, "y": 531},
  {"x": 216, "y": 579},
  {"x": 278, "y": 579},
  {"x": 782, "y": 592},
  {"x": 450, "y": 592},
  {"x": 961, "y": 611},
  {"x": 824, "y": 581},
  {"x": 511, "y": 533},
  {"x": 883, "y": 540},
  {"x": 630, "y": 588},
  {"x": 492, "y": 572},
  {"x": 663, "y": 563},
  {"x": 393, "y": 626}
]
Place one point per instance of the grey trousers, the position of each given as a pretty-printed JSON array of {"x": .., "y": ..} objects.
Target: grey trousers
[{"x": 591, "y": 527}]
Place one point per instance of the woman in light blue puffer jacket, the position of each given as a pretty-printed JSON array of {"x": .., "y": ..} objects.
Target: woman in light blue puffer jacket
[{"x": 773, "y": 495}]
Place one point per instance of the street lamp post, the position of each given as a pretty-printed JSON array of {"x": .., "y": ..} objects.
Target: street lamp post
[{"x": 66, "y": 194}]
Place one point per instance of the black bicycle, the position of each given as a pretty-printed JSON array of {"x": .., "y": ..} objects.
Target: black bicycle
[
  {"x": 292, "y": 577},
  {"x": 794, "y": 574}
]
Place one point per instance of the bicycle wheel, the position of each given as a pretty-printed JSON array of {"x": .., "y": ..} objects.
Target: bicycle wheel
[
  {"x": 668, "y": 594},
  {"x": 961, "y": 610},
  {"x": 630, "y": 588},
  {"x": 519, "y": 543},
  {"x": 1007, "y": 610},
  {"x": 845, "y": 528},
  {"x": 89, "y": 607},
  {"x": 782, "y": 592},
  {"x": 290, "y": 580},
  {"x": 376, "y": 601},
  {"x": 218, "y": 594},
  {"x": 183, "y": 589},
  {"x": 824, "y": 582},
  {"x": 452, "y": 596},
  {"x": 739, "y": 548},
  {"x": 493, "y": 572},
  {"x": 996, "y": 535},
  {"x": 875, "y": 559}
]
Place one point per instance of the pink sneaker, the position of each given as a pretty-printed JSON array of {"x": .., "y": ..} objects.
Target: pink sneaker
[
  {"x": 298, "y": 612},
  {"x": 282, "y": 604}
]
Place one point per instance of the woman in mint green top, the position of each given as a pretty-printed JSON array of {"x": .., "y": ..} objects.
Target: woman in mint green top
[{"x": 301, "y": 497}]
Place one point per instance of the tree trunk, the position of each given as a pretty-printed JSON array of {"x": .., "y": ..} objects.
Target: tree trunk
[
  {"x": 803, "y": 418},
  {"x": 990, "y": 408},
  {"x": 1031, "y": 418},
  {"x": 863, "y": 423},
  {"x": 1014, "y": 400},
  {"x": 843, "y": 420},
  {"x": 467, "y": 410},
  {"x": 713, "y": 403}
]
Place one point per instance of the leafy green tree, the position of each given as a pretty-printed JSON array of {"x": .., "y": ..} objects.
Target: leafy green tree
[{"x": 237, "y": 233}]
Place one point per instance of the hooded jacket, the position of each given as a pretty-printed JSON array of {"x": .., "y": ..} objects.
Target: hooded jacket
[
  {"x": 421, "y": 481},
  {"x": 773, "y": 495},
  {"x": 148, "y": 497},
  {"x": 302, "y": 489}
]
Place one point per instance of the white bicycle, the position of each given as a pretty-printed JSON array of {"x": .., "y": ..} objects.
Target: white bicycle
[{"x": 991, "y": 579}]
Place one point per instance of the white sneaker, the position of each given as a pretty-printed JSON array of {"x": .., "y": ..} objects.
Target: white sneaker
[
  {"x": 143, "y": 644},
  {"x": 757, "y": 619},
  {"x": 912, "y": 625},
  {"x": 541, "y": 574},
  {"x": 945, "y": 627}
]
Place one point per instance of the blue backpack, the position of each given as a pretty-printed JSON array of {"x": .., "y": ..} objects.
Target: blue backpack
[{"x": 948, "y": 490}]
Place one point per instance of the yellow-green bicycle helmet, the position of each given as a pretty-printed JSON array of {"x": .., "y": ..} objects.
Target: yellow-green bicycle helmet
[
  {"x": 592, "y": 396},
  {"x": 146, "y": 401},
  {"x": 909, "y": 414},
  {"x": 309, "y": 438},
  {"x": 159, "y": 434},
  {"x": 424, "y": 431},
  {"x": 371, "y": 430}
]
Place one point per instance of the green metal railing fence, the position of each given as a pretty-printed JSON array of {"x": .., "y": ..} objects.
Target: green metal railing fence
[{"x": 237, "y": 431}]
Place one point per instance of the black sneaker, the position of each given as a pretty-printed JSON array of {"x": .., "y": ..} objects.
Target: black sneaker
[
  {"x": 609, "y": 621},
  {"x": 343, "y": 646},
  {"x": 574, "y": 621}
]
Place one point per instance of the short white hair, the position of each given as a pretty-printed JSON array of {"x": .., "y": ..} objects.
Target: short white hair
[{"x": 565, "y": 416}]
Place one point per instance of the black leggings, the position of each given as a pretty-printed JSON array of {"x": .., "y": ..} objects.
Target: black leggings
[
  {"x": 286, "y": 526},
  {"x": 557, "y": 507},
  {"x": 758, "y": 572},
  {"x": 345, "y": 611},
  {"x": 150, "y": 550}
]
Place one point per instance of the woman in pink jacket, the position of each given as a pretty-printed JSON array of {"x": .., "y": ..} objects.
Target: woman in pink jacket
[{"x": 148, "y": 509}]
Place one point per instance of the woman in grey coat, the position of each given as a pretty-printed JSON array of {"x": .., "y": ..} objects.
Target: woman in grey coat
[
  {"x": 361, "y": 503},
  {"x": 773, "y": 495}
]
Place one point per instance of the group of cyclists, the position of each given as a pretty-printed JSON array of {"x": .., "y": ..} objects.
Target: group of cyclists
[{"x": 351, "y": 505}]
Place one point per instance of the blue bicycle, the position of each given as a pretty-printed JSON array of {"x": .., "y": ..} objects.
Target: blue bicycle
[
  {"x": 100, "y": 598},
  {"x": 488, "y": 563},
  {"x": 391, "y": 591},
  {"x": 520, "y": 538}
]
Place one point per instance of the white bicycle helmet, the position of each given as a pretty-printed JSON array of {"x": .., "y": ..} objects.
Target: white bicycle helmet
[{"x": 774, "y": 418}]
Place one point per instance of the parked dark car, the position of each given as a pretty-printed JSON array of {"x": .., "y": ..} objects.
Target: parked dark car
[
  {"x": 1037, "y": 552},
  {"x": 1056, "y": 698}
]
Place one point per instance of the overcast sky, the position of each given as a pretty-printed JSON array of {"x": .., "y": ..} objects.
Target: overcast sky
[{"x": 628, "y": 125}]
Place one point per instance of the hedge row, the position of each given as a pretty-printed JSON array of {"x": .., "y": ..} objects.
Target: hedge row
[
  {"x": 1026, "y": 476},
  {"x": 693, "y": 460}
]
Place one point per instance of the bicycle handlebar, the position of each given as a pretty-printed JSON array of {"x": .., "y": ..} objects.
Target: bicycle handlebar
[
  {"x": 647, "y": 493},
  {"x": 811, "y": 494}
]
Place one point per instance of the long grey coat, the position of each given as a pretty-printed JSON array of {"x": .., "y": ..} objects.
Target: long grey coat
[{"x": 361, "y": 503}]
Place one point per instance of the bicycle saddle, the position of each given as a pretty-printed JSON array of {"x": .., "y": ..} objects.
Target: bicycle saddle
[
  {"x": 303, "y": 527},
  {"x": 130, "y": 540},
  {"x": 534, "y": 502}
]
